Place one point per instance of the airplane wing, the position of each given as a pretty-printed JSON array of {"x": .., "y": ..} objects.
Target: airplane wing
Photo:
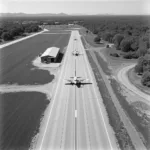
[
  {"x": 82, "y": 80},
  {"x": 68, "y": 80}
]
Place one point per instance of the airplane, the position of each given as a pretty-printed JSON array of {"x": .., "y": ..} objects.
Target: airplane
[
  {"x": 76, "y": 53},
  {"x": 78, "y": 81}
]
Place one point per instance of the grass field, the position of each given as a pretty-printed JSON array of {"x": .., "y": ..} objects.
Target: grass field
[
  {"x": 139, "y": 120},
  {"x": 20, "y": 117},
  {"x": 16, "y": 60}
]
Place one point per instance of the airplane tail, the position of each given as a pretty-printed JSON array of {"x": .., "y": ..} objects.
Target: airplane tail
[{"x": 75, "y": 67}]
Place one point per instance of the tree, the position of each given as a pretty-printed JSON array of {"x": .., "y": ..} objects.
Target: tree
[
  {"x": 139, "y": 67},
  {"x": 117, "y": 40},
  {"x": 34, "y": 28},
  {"x": 95, "y": 31},
  {"x": 141, "y": 51},
  {"x": 134, "y": 43},
  {"x": 107, "y": 37},
  {"x": 6, "y": 36},
  {"x": 1, "y": 33},
  {"x": 125, "y": 45},
  {"x": 13, "y": 32},
  {"x": 146, "y": 62},
  {"x": 97, "y": 39},
  {"x": 146, "y": 79},
  {"x": 28, "y": 30}
]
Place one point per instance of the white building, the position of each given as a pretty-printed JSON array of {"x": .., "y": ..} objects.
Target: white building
[{"x": 50, "y": 55}]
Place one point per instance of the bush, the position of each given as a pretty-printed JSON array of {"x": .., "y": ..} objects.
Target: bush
[
  {"x": 117, "y": 40},
  {"x": 138, "y": 69},
  {"x": 6, "y": 36},
  {"x": 143, "y": 64},
  {"x": 95, "y": 31},
  {"x": 114, "y": 55},
  {"x": 125, "y": 45},
  {"x": 97, "y": 39},
  {"x": 107, "y": 37},
  {"x": 130, "y": 55}
]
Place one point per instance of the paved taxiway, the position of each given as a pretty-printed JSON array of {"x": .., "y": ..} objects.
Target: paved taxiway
[{"x": 75, "y": 119}]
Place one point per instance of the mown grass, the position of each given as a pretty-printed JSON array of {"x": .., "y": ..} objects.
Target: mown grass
[
  {"x": 16, "y": 59},
  {"x": 140, "y": 120},
  {"x": 20, "y": 118},
  {"x": 121, "y": 134},
  {"x": 103, "y": 64},
  {"x": 141, "y": 123}
]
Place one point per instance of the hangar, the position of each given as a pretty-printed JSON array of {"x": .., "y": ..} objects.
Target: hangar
[{"x": 50, "y": 55}]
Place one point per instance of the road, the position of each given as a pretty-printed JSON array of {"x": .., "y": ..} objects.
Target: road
[
  {"x": 123, "y": 78},
  {"x": 75, "y": 118}
]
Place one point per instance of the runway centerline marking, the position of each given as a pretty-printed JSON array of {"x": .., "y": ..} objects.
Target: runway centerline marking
[{"x": 75, "y": 113}]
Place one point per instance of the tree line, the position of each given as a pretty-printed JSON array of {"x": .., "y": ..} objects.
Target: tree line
[
  {"x": 11, "y": 30},
  {"x": 130, "y": 35}
]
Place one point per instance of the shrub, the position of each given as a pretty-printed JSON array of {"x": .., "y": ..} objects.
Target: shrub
[
  {"x": 95, "y": 31},
  {"x": 130, "y": 55},
  {"x": 6, "y": 36},
  {"x": 107, "y": 37},
  {"x": 125, "y": 45},
  {"x": 97, "y": 39},
  {"x": 117, "y": 40},
  {"x": 114, "y": 55},
  {"x": 138, "y": 69}
]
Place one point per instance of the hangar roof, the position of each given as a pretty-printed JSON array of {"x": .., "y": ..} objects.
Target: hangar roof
[{"x": 51, "y": 51}]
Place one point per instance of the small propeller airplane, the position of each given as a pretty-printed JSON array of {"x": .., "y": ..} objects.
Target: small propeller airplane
[
  {"x": 78, "y": 81},
  {"x": 76, "y": 53}
]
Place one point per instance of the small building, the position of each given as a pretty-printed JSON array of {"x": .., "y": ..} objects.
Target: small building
[
  {"x": 111, "y": 45},
  {"x": 50, "y": 55},
  {"x": 70, "y": 24}
]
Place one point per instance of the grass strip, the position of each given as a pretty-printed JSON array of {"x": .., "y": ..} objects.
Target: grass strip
[
  {"x": 103, "y": 64},
  {"x": 121, "y": 134},
  {"x": 139, "y": 119}
]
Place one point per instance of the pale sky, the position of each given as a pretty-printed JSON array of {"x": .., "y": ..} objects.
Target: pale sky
[{"x": 119, "y": 7}]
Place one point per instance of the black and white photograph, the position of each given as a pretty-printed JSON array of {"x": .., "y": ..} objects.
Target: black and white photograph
[{"x": 74, "y": 74}]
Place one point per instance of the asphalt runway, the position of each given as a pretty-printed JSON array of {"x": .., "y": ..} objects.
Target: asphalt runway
[{"x": 75, "y": 118}]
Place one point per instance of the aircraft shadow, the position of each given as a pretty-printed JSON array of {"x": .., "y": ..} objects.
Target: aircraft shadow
[{"x": 78, "y": 85}]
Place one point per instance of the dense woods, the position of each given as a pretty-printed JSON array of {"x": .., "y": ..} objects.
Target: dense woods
[
  {"x": 143, "y": 68},
  {"x": 130, "y": 35},
  {"x": 10, "y": 30}
]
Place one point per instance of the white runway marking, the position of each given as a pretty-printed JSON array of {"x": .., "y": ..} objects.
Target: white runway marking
[{"x": 75, "y": 113}]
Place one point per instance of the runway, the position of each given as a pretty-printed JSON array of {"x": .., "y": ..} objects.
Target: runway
[{"x": 75, "y": 119}]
